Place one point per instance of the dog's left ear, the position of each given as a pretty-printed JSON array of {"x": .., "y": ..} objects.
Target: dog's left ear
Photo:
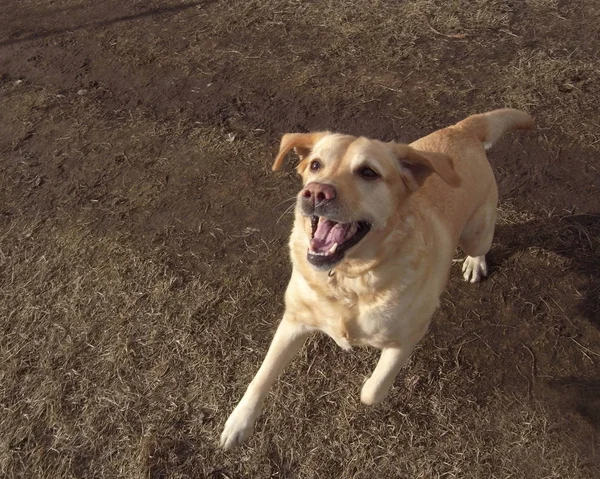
[
  {"x": 417, "y": 165},
  {"x": 301, "y": 142}
]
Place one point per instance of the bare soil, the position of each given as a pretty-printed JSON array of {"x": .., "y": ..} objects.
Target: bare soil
[{"x": 143, "y": 238}]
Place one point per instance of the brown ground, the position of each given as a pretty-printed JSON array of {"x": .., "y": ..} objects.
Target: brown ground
[{"x": 143, "y": 238}]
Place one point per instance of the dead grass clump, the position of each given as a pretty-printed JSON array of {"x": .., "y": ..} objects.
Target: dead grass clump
[
  {"x": 468, "y": 18},
  {"x": 560, "y": 86},
  {"x": 94, "y": 338},
  {"x": 509, "y": 215}
]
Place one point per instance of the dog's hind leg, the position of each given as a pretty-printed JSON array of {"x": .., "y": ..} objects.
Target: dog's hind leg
[
  {"x": 476, "y": 238},
  {"x": 288, "y": 339}
]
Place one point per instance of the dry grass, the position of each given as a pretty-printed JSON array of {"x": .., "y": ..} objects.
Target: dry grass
[
  {"x": 143, "y": 240},
  {"x": 557, "y": 84},
  {"x": 91, "y": 331},
  {"x": 509, "y": 215},
  {"x": 119, "y": 368}
]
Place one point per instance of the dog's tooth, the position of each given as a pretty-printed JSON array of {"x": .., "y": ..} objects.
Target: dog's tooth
[{"x": 332, "y": 249}]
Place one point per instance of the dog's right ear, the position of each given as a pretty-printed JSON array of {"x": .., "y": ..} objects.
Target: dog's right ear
[{"x": 302, "y": 143}]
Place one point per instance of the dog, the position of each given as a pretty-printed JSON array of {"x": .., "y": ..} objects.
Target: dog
[{"x": 375, "y": 230}]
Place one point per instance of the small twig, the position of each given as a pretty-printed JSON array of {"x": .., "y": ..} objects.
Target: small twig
[
  {"x": 489, "y": 347},
  {"x": 389, "y": 88},
  {"x": 562, "y": 310},
  {"x": 529, "y": 393},
  {"x": 310, "y": 365},
  {"x": 327, "y": 393},
  {"x": 456, "y": 362},
  {"x": 532, "y": 365},
  {"x": 585, "y": 349}
]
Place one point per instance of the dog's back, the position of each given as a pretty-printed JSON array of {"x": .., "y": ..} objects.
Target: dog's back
[{"x": 466, "y": 142}]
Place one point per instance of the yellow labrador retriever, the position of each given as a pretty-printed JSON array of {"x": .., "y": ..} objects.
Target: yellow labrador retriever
[{"x": 375, "y": 230}]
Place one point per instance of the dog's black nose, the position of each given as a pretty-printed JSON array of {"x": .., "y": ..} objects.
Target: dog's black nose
[{"x": 318, "y": 194}]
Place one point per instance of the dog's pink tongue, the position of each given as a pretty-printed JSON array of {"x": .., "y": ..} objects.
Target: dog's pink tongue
[{"x": 328, "y": 232}]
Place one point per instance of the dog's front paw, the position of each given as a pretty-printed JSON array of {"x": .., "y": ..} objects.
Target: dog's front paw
[
  {"x": 238, "y": 427},
  {"x": 474, "y": 269},
  {"x": 372, "y": 392}
]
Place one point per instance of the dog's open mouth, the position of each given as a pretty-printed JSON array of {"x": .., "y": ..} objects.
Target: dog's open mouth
[{"x": 330, "y": 240}]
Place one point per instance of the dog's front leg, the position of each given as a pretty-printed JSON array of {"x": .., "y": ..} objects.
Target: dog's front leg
[
  {"x": 288, "y": 339},
  {"x": 376, "y": 388}
]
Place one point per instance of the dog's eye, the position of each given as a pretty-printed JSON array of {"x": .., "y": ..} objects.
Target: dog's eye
[
  {"x": 315, "y": 165},
  {"x": 368, "y": 173}
]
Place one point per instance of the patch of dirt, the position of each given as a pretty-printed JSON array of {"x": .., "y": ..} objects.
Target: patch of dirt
[{"x": 143, "y": 240}]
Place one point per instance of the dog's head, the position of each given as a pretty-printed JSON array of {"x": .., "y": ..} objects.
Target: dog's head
[{"x": 353, "y": 188}]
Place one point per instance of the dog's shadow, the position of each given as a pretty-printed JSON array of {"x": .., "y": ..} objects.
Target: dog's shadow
[
  {"x": 584, "y": 397},
  {"x": 571, "y": 245},
  {"x": 574, "y": 238}
]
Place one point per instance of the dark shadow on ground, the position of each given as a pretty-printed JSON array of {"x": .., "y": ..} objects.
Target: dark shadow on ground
[
  {"x": 100, "y": 23},
  {"x": 574, "y": 237},
  {"x": 584, "y": 396}
]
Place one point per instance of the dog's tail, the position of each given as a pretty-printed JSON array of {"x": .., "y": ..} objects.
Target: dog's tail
[{"x": 490, "y": 126}]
